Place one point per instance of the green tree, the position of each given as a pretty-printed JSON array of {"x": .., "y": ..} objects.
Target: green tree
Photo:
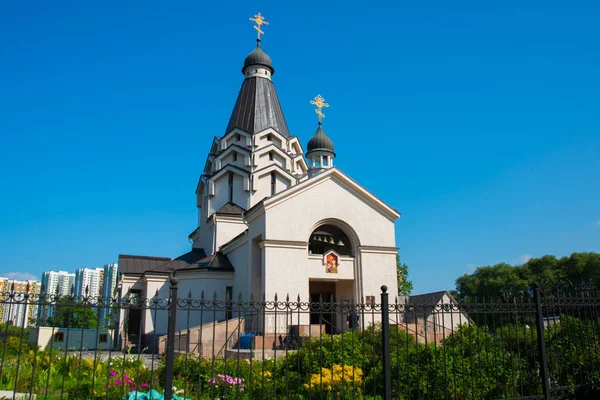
[
  {"x": 405, "y": 286},
  {"x": 504, "y": 281},
  {"x": 71, "y": 314}
]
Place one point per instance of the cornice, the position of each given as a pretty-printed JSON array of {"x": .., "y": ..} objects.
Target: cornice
[{"x": 285, "y": 244}]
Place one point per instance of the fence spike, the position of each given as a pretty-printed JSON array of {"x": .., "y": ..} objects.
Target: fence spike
[
  {"x": 298, "y": 297},
  {"x": 287, "y": 298},
  {"x": 156, "y": 294},
  {"x": 202, "y": 295},
  {"x": 73, "y": 290},
  {"x": 240, "y": 296},
  {"x": 190, "y": 294},
  {"x": 320, "y": 297},
  {"x": 215, "y": 294},
  {"x": 275, "y": 296},
  {"x": 87, "y": 290},
  {"x": 251, "y": 297}
]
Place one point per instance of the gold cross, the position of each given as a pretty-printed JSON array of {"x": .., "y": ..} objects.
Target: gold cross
[
  {"x": 260, "y": 20},
  {"x": 320, "y": 103}
]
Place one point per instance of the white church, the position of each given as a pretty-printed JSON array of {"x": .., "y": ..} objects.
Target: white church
[{"x": 272, "y": 219}]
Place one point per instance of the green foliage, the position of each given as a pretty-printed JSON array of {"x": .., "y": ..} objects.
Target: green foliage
[
  {"x": 503, "y": 281},
  {"x": 472, "y": 362},
  {"x": 71, "y": 314},
  {"x": 405, "y": 286}
]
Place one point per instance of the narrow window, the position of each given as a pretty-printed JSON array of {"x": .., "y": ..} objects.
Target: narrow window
[
  {"x": 270, "y": 156},
  {"x": 59, "y": 337},
  {"x": 234, "y": 156},
  {"x": 273, "y": 183},
  {"x": 325, "y": 161},
  {"x": 228, "y": 300},
  {"x": 231, "y": 186},
  {"x": 103, "y": 338}
]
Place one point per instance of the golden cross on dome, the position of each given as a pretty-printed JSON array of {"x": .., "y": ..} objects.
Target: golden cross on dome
[
  {"x": 320, "y": 103},
  {"x": 260, "y": 20}
]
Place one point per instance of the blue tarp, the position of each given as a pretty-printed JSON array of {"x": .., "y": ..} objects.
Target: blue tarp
[{"x": 151, "y": 395}]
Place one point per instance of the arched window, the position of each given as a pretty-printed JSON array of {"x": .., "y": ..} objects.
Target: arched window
[{"x": 329, "y": 237}]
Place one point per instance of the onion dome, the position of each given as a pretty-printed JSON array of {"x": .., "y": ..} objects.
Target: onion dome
[
  {"x": 258, "y": 57},
  {"x": 319, "y": 142}
]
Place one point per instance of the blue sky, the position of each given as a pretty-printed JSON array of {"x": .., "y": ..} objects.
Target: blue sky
[{"x": 478, "y": 121}]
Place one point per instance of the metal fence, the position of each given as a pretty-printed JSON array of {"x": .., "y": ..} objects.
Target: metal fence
[{"x": 201, "y": 347}]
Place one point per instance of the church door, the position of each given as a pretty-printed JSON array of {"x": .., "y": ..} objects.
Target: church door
[{"x": 322, "y": 295}]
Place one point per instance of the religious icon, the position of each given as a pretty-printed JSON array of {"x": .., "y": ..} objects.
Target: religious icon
[{"x": 331, "y": 262}]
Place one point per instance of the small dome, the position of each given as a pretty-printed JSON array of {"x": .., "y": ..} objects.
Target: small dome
[
  {"x": 258, "y": 57},
  {"x": 320, "y": 141}
]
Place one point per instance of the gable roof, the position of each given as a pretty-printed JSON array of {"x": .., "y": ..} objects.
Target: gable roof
[
  {"x": 231, "y": 208},
  {"x": 391, "y": 213},
  {"x": 426, "y": 299}
]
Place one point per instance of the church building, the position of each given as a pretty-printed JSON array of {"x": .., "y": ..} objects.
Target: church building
[{"x": 272, "y": 218}]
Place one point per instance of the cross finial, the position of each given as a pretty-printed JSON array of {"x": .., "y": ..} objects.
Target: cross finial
[
  {"x": 320, "y": 103},
  {"x": 260, "y": 20}
]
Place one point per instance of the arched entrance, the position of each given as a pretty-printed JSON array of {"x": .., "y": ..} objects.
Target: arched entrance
[{"x": 332, "y": 247}]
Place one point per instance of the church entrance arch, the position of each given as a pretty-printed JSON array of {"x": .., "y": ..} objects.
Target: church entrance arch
[{"x": 335, "y": 242}]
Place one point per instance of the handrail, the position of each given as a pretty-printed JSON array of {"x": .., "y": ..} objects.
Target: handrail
[
  {"x": 227, "y": 340},
  {"x": 330, "y": 324}
]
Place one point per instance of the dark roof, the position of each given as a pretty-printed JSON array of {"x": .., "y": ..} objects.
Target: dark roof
[
  {"x": 319, "y": 141},
  {"x": 137, "y": 265},
  {"x": 258, "y": 57},
  {"x": 426, "y": 299},
  {"x": 257, "y": 108},
  {"x": 196, "y": 259},
  {"x": 231, "y": 209}
]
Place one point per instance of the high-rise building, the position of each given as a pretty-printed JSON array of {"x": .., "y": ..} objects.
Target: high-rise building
[
  {"x": 111, "y": 274},
  {"x": 55, "y": 283},
  {"x": 15, "y": 308},
  {"x": 88, "y": 282}
]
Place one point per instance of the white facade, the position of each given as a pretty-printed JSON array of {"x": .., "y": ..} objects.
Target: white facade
[
  {"x": 286, "y": 227},
  {"x": 46, "y": 338}
]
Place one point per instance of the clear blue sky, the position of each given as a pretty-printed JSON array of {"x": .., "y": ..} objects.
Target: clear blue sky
[{"x": 478, "y": 121}]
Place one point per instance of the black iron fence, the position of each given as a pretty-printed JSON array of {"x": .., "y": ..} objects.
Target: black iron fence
[{"x": 200, "y": 347}]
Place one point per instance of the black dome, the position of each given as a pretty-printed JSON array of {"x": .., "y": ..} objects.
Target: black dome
[
  {"x": 320, "y": 141},
  {"x": 258, "y": 57}
]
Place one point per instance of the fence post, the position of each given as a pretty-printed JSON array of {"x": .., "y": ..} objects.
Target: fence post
[
  {"x": 172, "y": 320},
  {"x": 539, "y": 319},
  {"x": 385, "y": 346}
]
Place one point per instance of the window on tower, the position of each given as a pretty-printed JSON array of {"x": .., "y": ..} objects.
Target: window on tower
[
  {"x": 231, "y": 186},
  {"x": 270, "y": 156},
  {"x": 234, "y": 156},
  {"x": 273, "y": 181}
]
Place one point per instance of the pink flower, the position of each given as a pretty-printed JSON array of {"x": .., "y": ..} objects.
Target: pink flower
[
  {"x": 118, "y": 382},
  {"x": 127, "y": 378},
  {"x": 178, "y": 376},
  {"x": 144, "y": 385},
  {"x": 113, "y": 373}
]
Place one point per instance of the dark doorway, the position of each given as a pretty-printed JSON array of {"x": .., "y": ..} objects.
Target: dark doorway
[
  {"x": 322, "y": 311},
  {"x": 135, "y": 313}
]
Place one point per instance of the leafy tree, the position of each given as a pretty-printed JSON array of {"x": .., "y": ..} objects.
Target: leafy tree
[
  {"x": 504, "y": 281},
  {"x": 405, "y": 286},
  {"x": 71, "y": 314}
]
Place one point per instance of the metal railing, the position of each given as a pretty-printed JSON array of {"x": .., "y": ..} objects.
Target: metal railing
[{"x": 546, "y": 345}]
